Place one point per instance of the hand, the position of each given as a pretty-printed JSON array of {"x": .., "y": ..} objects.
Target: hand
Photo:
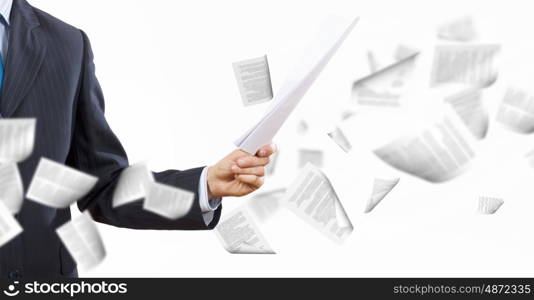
[{"x": 239, "y": 173}]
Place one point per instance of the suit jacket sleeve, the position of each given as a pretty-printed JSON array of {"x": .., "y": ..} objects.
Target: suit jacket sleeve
[{"x": 96, "y": 150}]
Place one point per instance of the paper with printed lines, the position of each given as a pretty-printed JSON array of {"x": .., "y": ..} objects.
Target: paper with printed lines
[
  {"x": 17, "y": 139},
  {"x": 56, "y": 185},
  {"x": 239, "y": 234},
  {"x": 82, "y": 239}
]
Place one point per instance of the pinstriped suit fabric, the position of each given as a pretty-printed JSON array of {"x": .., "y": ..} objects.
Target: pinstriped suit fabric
[{"x": 50, "y": 76}]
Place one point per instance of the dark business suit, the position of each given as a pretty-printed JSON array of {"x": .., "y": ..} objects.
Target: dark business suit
[{"x": 50, "y": 76}]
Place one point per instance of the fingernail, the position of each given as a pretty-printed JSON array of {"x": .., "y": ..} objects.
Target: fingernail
[
  {"x": 262, "y": 152},
  {"x": 234, "y": 168},
  {"x": 241, "y": 161}
]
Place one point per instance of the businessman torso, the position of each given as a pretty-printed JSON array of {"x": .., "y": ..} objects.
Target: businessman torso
[{"x": 49, "y": 75}]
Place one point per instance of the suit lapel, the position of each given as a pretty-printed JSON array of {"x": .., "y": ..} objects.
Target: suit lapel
[{"x": 24, "y": 57}]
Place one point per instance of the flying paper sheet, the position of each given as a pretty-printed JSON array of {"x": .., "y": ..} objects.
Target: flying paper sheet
[
  {"x": 386, "y": 86},
  {"x": 312, "y": 197},
  {"x": 11, "y": 189},
  {"x": 340, "y": 139},
  {"x": 373, "y": 63},
  {"x": 302, "y": 127},
  {"x": 9, "y": 227},
  {"x": 489, "y": 205},
  {"x": 240, "y": 235},
  {"x": 438, "y": 153},
  {"x": 403, "y": 52},
  {"x": 470, "y": 108},
  {"x": 461, "y": 29},
  {"x": 383, "y": 57},
  {"x": 516, "y": 111},
  {"x": 347, "y": 114},
  {"x": 58, "y": 186},
  {"x": 465, "y": 63},
  {"x": 296, "y": 85},
  {"x": 254, "y": 80},
  {"x": 17, "y": 138},
  {"x": 310, "y": 156},
  {"x": 81, "y": 238},
  {"x": 134, "y": 183},
  {"x": 264, "y": 205},
  {"x": 381, "y": 188},
  {"x": 168, "y": 201}
]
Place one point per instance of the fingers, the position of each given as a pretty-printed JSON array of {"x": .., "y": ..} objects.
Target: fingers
[
  {"x": 252, "y": 161},
  {"x": 266, "y": 150},
  {"x": 253, "y": 180},
  {"x": 258, "y": 171}
]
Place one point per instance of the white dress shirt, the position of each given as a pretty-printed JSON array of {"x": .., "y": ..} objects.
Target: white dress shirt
[
  {"x": 5, "y": 12},
  {"x": 208, "y": 206}
]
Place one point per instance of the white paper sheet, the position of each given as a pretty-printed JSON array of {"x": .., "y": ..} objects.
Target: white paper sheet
[
  {"x": 403, "y": 52},
  {"x": 168, "y": 201},
  {"x": 372, "y": 61},
  {"x": 471, "y": 109},
  {"x": 489, "y": 205},
  {"x": 386, "y": 86},
  {"x": 340, "y": 139},
  {"x": 347, "y": 114},
  {"x": 461, "y": 29},
  {"x": 381, "y": 188},
  {"x": 313, "y": 156},
  {"x": 437, "y": 153},
  {"x": 254, "y": 80},
  {"x": 296, "y": 85},
  {"x": 17, "y": 138},
  {"x": 384, "y": 57},
  {"x": 239, "y": 234},
  {"x": 312, "y": 197},
  {"x": 134, "y": 183},
  {"x": 474, "y": 64},
  {"x": 9, "y": 227},
  {"x": 516, "y": 111},
  {"x": 57, "y": 185},
  {"x": 81, "y": 238},
  {"x": 302, "y": 127},
  {"x": 11, "y": 189},
  {"x": 264, "y": 205}
]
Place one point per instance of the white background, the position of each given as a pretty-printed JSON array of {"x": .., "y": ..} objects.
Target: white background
[{"x": 165, "y": 68}]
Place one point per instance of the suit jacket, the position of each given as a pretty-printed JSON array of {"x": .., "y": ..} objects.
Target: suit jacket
[{"x": 50, "y": 76}]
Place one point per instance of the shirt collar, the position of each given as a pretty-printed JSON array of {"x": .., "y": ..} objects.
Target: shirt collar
[{"x": 5, "y": 9}]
